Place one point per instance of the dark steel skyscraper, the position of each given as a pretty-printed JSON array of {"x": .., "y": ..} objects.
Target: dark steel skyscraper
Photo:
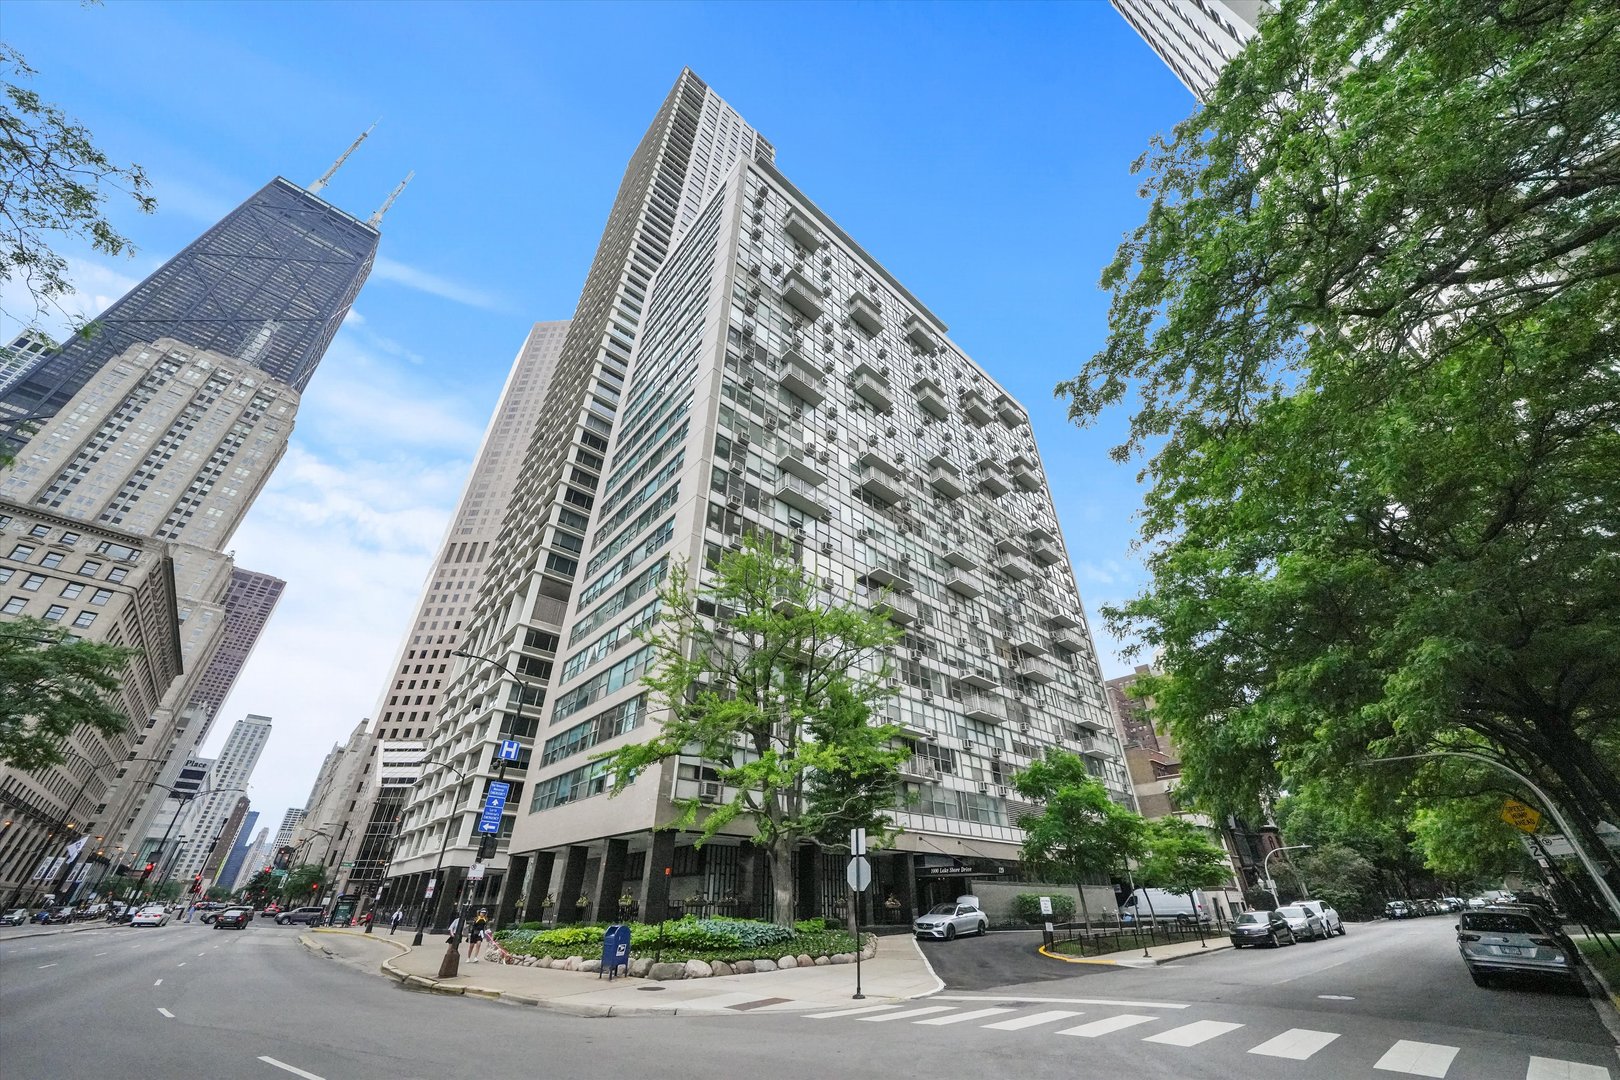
[{"x": 270, "y": 284}]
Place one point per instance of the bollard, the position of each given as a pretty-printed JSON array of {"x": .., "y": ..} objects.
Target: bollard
[{"x": 450, "y": 966}]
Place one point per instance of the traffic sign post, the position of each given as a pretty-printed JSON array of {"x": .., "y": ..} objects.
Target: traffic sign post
[
  {"x": 489, "y": 819},
  {"x": 859, "y": 876},
  {"x": 510, "y": 749},
  {"x": 1520, "y": 816}
]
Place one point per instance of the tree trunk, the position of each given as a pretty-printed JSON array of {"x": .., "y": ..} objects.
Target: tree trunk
[{"x": 781, "y": 855}]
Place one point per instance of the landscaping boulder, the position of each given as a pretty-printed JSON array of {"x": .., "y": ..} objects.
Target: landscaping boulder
[
  {"x": 698, "y": 969},
  {"x": 639, "y": 967},
  {"x": 806, "y": 961},
  {"x": 572, "y": 963},
  {"x": 843, "y": 958},
  {"x": 763, "y": 965},
  {"x": 665, "y": 972},
  {"x": 591, "y": 965},
  {"x": 721, "y": 968},
  {"x": 822, "y": 961},
  {"x": 743, "y": 967},
  {"x": 787, "y": 962}
]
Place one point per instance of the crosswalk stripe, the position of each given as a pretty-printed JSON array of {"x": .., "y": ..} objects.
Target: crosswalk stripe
[
  {"x": 1194, "y": 1033},
  {"x": 849, "y": 1012},
  {"x": 1111, "y": 1024},
  {"x": 909, "y": 1014},
  {"x": 962, "y": 1018},
  {"x": 1019, "y": 1023},
  {"x": 1417, "y": 1058},
  {"x": 1296, "y": 1044},
  {"x": 1555, "y": 1069}
]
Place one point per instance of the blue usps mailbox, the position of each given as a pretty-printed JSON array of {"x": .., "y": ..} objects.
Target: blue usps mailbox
[{"x": 615, "y": 952}]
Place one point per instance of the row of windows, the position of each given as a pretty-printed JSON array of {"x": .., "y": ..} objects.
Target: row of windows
[
  {"x": 620, "y": 675},
  {"x": 638, "y": 587},
  {"x": 605, "y": 725},
  {"x": 609, "y": 641},
  {"x": 54, "y": 613},
  {"x": 655, "y": 540}
]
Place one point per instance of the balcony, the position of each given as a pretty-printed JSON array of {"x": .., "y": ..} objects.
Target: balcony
[
  {"x": 1045, "y": 553},
  {"x": 919, "y": 770},
  {"x": 965, "y": 583},
  {"x": 1010, "y": 413},
  {"x": 1006, "y": 540},
  {"x": 1028, "y": 643},
  {"x": 956, "y": 553},
  {"x": 803, "y": 295},
  {"x": 1025, "y": 474},
  {"x": 989, "y": 708},
  {"x": 1037, "y": 670},
  {"x": 1063, "y": 620},
  {"x": 873, "y": 388},
  {"x": 885, "y": 571},
  {"x": 1094, "y": 747},
  {"x": 864, "y": 314},
  {"x": 881, "y": 479},
  {"x": 898, "y": 607},
  {"x": 918, "y": 333},
  {"x": 1068, "y": 641},
  {"x": 1014, "y": 566},
  {"x": 800, "y": 378},
  {"x": 975, "y": 408},
  {"x": 803, "y": 231},
  {"x": 993, "y": 479},
  {"x": 977, "y": 674},
  {"x": 800, "y": 462},
  {"x": 801, "y": 495},
  {"x": 931, "y": 398},
  {"x": 947, "y": 480}
]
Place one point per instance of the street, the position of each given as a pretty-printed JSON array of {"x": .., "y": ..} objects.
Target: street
[{"x": 1389, "y": 999}]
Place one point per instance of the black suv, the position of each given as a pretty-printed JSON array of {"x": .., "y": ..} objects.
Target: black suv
[{"x": 311, "y": 915}]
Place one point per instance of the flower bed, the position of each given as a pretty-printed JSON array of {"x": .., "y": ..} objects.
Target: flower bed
[{"x": 680, "y": 940}]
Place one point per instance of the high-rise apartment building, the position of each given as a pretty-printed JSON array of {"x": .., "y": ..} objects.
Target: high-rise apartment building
[
  {"x": 223, "y": 843},
  {"x": 25, "y": 350},
  {"x": 260, "y": 854},
  {"x": 289, "y": 825},
  {"x": 269, "y": 285},
  {"x": 784, "y": 383},
  {"x": 228, "y": 778},
  {"x": 1195, "y": 38},
  {"x": 694, "y": 140},
  {"x": 226, "y": 879},
  {"x": 248, "y": 605}
]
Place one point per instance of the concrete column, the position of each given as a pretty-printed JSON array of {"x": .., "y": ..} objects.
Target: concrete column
[
  {"x": 610, "y": 880},
  {"x": 655, "y": 883},
  {"x": 511, "y": 890},
  {"x": 809, "y": 871},
  {"x": 906, "y": 868},
  {"x": 538, "y": 885},
  {"x": 573, "y": 884}
]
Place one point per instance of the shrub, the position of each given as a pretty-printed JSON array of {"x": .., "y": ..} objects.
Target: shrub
[
  {"x": 814, "y": 926},
  {"x": 689, "y": 938},
  {"x": 1027, "y": 906}
]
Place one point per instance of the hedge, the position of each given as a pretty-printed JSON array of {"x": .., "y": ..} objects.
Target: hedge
[
  {"x": 689, "y": 938},
  {"x": 1028, "y": 907}
]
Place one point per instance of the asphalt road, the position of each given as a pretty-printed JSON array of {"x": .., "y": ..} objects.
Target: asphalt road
[{"x": 192, "y": 1002}]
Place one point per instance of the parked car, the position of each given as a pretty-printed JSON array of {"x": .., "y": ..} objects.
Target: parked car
[
  {"x": 15, "y": 917},
  {"x": 1453, "y": 903},
  {"x": 235, "y": 918},
  {"x": 1262, "y": 928},
  {"x": 1398, "y": 909},
  {"x": 1495, "y": 941},
  {"x": 310, "y": 915},
  {"x": 1324, "y": 911},
  {"x": 1156, "y": 905},
  {"x": 270, "y": 911},
  {"x": 1304, "y": 923},
  {"x": 151, "y": 916},
  {"x": 946, "y": 921}
]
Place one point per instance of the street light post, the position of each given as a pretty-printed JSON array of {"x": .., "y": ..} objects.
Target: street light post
[
  {"x": 421, "y": 914},
  {"x": 1552, "y": 810},
  {"x": 1271, "y": 884},
  {"x": 500, "y": 768}
]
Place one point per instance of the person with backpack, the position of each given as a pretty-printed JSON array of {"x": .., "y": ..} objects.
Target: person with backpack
[{"x": 475, "y": 935}]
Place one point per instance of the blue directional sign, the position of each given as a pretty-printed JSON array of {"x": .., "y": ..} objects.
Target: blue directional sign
[
  {"x": 489, "y": 821},
  {"x": 510, "y": 749}
]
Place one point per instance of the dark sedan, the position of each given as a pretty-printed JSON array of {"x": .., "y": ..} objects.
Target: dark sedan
[
  {"x": 1261, "y": 928},
  {"x": 235, "y": 918}
]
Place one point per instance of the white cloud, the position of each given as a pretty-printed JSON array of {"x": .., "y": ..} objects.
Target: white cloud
[{"x": 386, "y": 269}]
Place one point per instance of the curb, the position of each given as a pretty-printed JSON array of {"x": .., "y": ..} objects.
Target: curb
[
  {"x": 97, "y": 925},
  {"x": 1139, "y": 962},
  {"x": 1604, "y": 1001}
]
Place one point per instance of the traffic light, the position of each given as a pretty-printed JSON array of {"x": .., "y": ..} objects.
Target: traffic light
[
  {"x": 314, "y": 886},
  {"x": 486, "y": 846},
  {"x": 151, "y": 866}
]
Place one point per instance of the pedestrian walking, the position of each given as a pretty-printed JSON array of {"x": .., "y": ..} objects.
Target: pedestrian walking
[
  {"x": 475, "y": 938},
  {"x": 394, "y": 920}
]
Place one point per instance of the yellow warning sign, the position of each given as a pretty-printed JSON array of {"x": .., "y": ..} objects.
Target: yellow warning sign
[{"x": 1520, "y": 816}]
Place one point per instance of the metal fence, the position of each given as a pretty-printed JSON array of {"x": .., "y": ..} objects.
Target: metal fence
[{"x": 1109, "y": 936}]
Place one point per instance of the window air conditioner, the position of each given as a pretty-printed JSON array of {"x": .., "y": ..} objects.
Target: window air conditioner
[{"x": 710, "y": 791}]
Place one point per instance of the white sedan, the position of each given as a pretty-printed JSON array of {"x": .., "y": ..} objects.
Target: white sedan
[{"x": 151, "y": 916}]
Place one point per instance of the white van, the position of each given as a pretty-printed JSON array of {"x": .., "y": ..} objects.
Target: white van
[{"x": 1156, "y": 905}]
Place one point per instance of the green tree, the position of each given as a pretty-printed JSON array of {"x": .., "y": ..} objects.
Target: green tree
[
  {"x": 1079, "y": 833},
  {"x": 1369, "y": 326},
  {"x": 1467, "y": 842},
  {"x": 297, "y": 888},
  {"x": 1179, "y": 857},
  {"x": 1345, "y": 878},
  {"x": 54, "y": 182},
  {"x": 50, "y": 685},
  {"x": 261, "y": 887},
  {"x": 772, "y": 685}
]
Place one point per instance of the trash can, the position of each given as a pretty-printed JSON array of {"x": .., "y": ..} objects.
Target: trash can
[{"x": 615, "y": 951}]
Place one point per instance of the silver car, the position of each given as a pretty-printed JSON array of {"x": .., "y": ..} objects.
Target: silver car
[
  {"x": 1304, "y": 924},
  {"x": 1496, "y": 941},
  {"x": 946, "y": 921}
]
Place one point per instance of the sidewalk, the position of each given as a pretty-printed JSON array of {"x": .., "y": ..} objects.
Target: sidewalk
[
  {"x": 898, "y": 972},
  {"x": 1157, "y": 954}
]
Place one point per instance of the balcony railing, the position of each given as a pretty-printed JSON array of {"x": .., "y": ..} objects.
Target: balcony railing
[
  {"x": 1010, "y": 414},
  {"x": 864, "y": 314},
  {"x": 874, "y": 389},
  {"x": 898, "y": 606},
  {"x": 993, "y": 479},
  {"x": 800, "y": 494},
  {"x": 803, "y": 380},
  {"x": 803, "y": 231},
  {"x": 799, "y": 462},
  {"x": 931, "y": 398},
  {"x": 1045, "y": 553},
  {"x": 944, "y": 479},
  {"x": 1068, "y": 641},
  {"x": 803, "y": 294},
  {"x": 977, "y": 674},
  {"x": 964, "y": 582},
  {"x": 986, "y": 707},
  {"x": 1026, "y": 475},
  {"x": 1038, "y": 670},
  {"x": 918, "y": 333},
  {"x": 1028, "y": 643},
  {"x": 894, "y": 573},
  {"x": 975, "y": 408},
  {"x": 1014, "y": 567}
]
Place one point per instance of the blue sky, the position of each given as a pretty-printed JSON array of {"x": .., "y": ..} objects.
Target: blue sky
[{"x": 981, "y": 152}]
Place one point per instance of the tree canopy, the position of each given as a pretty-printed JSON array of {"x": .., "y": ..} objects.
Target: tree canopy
[
  {"x": 50, "y": 684},
  {"x": 770, "y": 685},
  {"x": 1079, "y": 833},
  {"x": 1179, "y": 857},
  {"x": 1368, "y": 329}
]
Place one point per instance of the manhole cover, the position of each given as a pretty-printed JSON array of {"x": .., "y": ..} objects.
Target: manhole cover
[{"x": 649, "y": 988}]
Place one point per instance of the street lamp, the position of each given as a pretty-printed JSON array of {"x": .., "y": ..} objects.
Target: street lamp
[
  {"x": 421, "y": 914},
  {"x": 1271, "y": 884},
  {"x": 500, "y": 769},
  {"x": 1552, "y": 811}
]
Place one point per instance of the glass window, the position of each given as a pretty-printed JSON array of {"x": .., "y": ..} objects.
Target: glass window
[
  {"x": 40, "y": 531},
  {"x": 72, "y": 591},
  {"x": 22, "y": 551},
  {"x": 54, "y": 613},
  {"x": 84, "y": 618},
  {"x": 14, "y": 605},
  {"x": 33, "y": 581},
  {"x": 51, "y": 559},
  {"x": 89, "y": 567},
  {"x": 117, "y": 574},
  {"x": 101, "y": 596}
]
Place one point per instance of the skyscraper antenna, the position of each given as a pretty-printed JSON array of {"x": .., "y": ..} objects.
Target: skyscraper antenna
[
  {"x": 376, "y": 219},
  {"x": 315, "y": 188}
]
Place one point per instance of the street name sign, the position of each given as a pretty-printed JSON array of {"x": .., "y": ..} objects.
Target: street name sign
[{"x": 489, "y": 820}]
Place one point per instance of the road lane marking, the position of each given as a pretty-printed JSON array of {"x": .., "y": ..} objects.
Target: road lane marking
[
  {"x": 850, "y": 1012},
  {"x": 1019, "y": 1023},
  {"x": 202, "y": 954},
  {"x": 1296, "y": 1044},
  {"x": 158, "y": 983},
  {"x": 295, "y": 1070},
  {"x": 1554, "y": 1069},
  {"x": 1417, "y": 1058},
  {"x": 42, "y": 967},
  {"x": 909, "y": 1014},
  {"x": 182, "y": 963},
  {"x": 1334, "y": 997},
  {"x": 1060, "y": 1001},
  {"x": 962, "y": 1018},
  {"x": 102, "y": 953},
  {"x": 1105, "y": 1027},
  {"x": 1194, "y": 1033},
  {"x": 167, "y": 1013}
]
